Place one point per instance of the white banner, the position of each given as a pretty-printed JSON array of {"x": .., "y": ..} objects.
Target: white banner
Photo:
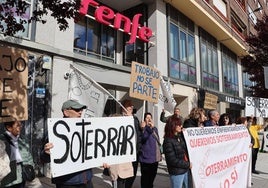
[
  {"x": 257, "y": 107},
  {"x": 265, "y": 141},
  {"x": 166, "y": 96},
  {"x": 87, "y": 92},
  {"x": 220, "y": 156},
  {"x": 80, "y": 144}
]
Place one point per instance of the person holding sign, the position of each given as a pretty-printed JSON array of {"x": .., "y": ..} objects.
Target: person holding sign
[
  {"x": 128, "y": 111},
  {"x": 150, "y": 152},
  {"x": 213, "y": 118},
  {"x": 196, "y": 118},
  {"x": 177, "y": 112},
  {"x": 119, "y": 172},
  {"x": 82, "y": 179},
  {"x": 225, "y": 119},
  {"x": 254, "y": 128},
  {"x": 175, "y": 151}
]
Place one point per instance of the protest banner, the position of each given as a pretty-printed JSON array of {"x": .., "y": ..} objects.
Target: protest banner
[
  {"x": 80, "y": 143},
  {"x": 257, "y": 107},
  {"x": 166, "y": 99},
  {"x": 144, "y": 82},
  {"x": 220, "y": 156},
  {"x": 88, "y": 92},
  {"x": 265, "y": 141},
  {"x": 13, "y": 84}
]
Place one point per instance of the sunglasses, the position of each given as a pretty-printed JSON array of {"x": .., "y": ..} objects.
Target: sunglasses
[{"x": 77, "y": 110}]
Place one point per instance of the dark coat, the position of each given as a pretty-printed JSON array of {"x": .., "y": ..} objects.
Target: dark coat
[
  {"x": 176, "y": 155},
  {"x": 76, "y": 178},
  {"x": 190, "y": 123},
  {"x": 26, "y": 156}
]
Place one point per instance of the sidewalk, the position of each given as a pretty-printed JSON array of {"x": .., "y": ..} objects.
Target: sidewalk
[{"x": 162, "y": 178}]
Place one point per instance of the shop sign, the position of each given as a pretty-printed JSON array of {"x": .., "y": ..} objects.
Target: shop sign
[
  {"x": 106, "y": 15},
  {"x": 233, "y": 100}
]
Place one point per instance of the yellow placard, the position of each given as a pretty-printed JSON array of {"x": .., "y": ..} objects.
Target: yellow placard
[
  {"x": 13, "y": 84},
  {"x": 144, "y": 82}
]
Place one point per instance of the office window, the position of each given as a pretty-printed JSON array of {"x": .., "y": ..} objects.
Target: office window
[
  {"x": 247, "y": 84},
  {"x": 136, "y": 51},
  {"x": 94, "y": 39},
  {"x": 230, "y": 72},
  {"x": 209, "y": 61},
  {"x": 181, "y": 47}
]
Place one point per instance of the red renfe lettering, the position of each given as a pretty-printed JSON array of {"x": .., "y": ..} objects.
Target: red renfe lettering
[{"x": 106, "y": 16}]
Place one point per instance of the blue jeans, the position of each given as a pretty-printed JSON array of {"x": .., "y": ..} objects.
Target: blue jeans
[{"x": 177, "y": 181}]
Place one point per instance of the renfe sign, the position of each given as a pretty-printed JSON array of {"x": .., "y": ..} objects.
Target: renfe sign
[{"x": 106, "y": 16}]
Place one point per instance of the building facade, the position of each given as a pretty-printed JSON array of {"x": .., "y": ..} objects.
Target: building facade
[{"x": 197, "y": 44}]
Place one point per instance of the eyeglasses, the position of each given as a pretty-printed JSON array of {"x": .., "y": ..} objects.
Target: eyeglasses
[{"x": 77, "y": 110}]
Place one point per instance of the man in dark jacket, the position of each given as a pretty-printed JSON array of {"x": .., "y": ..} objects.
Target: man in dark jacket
[
  {"x": 213, "y": 118},
  {"x": 177, "y": 112},
  {"x": 82, "y": 179}
]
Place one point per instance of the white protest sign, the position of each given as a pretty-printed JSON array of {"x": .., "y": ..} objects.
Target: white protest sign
[
  {"x": 257, "y": 107},
  {"x": 220, "y": 156},
  {"x": 265, "y": 140},
  {"x": 80, "y": 144},
  {"x": 166, "y": 99}
]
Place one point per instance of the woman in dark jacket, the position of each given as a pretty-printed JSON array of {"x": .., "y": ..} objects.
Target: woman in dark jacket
[
  {"x": 196, "y": 118},
  {"x": 175, "y": 151},
  {"x": 150, "y": 152}
]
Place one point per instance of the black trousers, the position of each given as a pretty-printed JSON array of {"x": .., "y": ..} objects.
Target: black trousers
[
  {"x": 254, "y": 158},
  {"x": 129, "y": 181},
  {"x": 148, "y": 173}
]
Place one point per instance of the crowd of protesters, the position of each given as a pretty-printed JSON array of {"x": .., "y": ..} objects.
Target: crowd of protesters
[{"x": 149, "y": 148}]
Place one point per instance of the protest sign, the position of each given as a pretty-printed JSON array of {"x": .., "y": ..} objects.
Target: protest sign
[
  {"x": 166, "y": 99},
  {"x": 265, "y": 141},
  {"x": 80, "y": 144},
  {"x": 144, "y": 82},
  {"x": 210, "y": 101},
  {"x": 13, "y": 84},
  {"x": 257, "y": 107},
  {"x": 220, "y": 156},
  {"x": 88, "y": 92}
]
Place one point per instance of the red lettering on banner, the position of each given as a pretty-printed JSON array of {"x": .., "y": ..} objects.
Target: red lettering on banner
[{"x": 106, "y": 16}]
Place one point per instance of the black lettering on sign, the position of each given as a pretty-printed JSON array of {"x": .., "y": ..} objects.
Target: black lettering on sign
[
  {"x": 99, "y": 133},
  {"x": 111, "y": 142},
  {"x": 112, "y": 136},
  {"x": 64, "y": 138},
  {"x": 2, "y": 107}
]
